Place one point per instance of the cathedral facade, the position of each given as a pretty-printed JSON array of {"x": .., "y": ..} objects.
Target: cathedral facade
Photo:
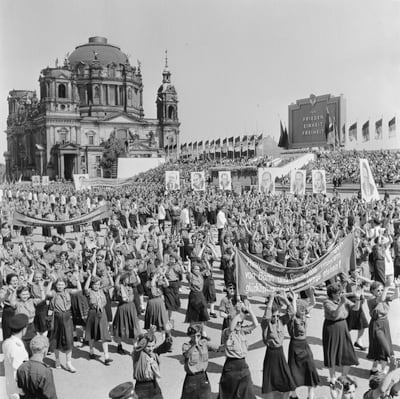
[{"x": 95, "y": 94}]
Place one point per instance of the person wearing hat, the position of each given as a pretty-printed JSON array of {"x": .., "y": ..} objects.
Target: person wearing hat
[
  {"x": 123, "y": 391},
  {"x": 146, "y": 364},
  {"x": 14, "y": 352},
  {"x": 236, "y": 380},
  {"x": 227, "y": 306},
  {"x": 277, "y": 376},
  {"x": 300, "y": 359},
  {"x": 195, "y": 353},
  {"x": 96, "y": 324},
  {"x": 380, "y": 349},
  {"x": 35, "y": 378},
  {"x": 61, "y": 334},
  {"x": 197, "y": 304}
]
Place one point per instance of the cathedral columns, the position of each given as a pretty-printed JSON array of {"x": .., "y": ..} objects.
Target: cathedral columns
[{"x": 61, "y": 169}]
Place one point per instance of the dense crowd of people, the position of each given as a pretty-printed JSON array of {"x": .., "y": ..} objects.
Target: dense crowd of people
[
  {"x": 119, "y": 279},
  {"x": 344, "y": 165}
]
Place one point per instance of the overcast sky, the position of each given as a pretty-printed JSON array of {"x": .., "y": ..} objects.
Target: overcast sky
[{"x": 236, "y": 65}]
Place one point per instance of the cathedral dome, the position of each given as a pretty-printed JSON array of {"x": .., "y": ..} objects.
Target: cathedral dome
[{"x": 97, "y": 49}]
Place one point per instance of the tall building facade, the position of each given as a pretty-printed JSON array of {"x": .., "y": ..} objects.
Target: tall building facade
[{"x": 94, "y": 94}]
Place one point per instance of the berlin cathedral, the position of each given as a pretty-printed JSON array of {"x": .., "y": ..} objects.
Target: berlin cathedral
[{"x": 95, "y": 94}]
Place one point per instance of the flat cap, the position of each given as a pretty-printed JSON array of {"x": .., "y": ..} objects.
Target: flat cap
[{"x": 123, "y": 391}]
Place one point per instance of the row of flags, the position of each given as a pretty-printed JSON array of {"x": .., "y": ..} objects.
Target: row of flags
[
  {"x": 377, "y": 132},
  {"x": 336, "y": 136},
  {"x": 235, "y": 144}
]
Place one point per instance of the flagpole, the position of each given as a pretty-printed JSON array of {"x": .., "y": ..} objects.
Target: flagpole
[{"x": 237, "y": 273}]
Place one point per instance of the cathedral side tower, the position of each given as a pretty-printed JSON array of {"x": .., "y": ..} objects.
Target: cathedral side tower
[{"x": 167, "y": 113}]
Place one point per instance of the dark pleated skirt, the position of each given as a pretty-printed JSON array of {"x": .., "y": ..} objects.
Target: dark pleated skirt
[
  {"x": 61, "y": 337},
  {"x": 357, "y": 320},
  {"x": 40, "y": 320},
  {"x": 96, "y": 225},
  {"x": 148, "y": 390},
  {"x": 61, "y": 230},
  {"x": 379, "y": 272},
  {"x": 26, "y": 231},
  {"x": 196, "y": 387},
  {"x": 108, "y": 308},
  {"x": 143, "y": 288},
  {"x": 380, "y": 340},
  {"x": 156, "y": 314},
  {"x": 301, "y": 364},
  {"x": 337, "y": 346},
  {"x": 212, "y": 217},
  {"x": 97, "y": 326},
  {"x": 171, "y": 296},
  {"x": 8, "y": 313},
  {"x": 79, "y": 308},
  {"x": 136, "y": 298},
  {"x": 126, "y": 321},
  {"x": 46, "y": 231},
  {"x": 209, "y": 289},
  {"x": 236, "y": 380},
  {"x": 27, "y": 338},
  {"x": 197, "y": 308},
  {"x": 276, "y": 373},
  {"x": 133, "y": 221},
  {"x": 142, "y": 219}
]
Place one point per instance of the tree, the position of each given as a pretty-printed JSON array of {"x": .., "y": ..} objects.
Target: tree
[{"x": 113, "y": 149}]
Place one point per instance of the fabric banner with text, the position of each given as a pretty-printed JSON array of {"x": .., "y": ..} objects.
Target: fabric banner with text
[
  {"x": 102, "y": 212},
  {"x": 256, "y": 277}
]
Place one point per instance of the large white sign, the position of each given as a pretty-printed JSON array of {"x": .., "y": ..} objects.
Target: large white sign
[
  {"x": 224, "y": 179},
  {"x": 369, "y": 191},
  {"x": 172, "y": 180},
  {"x": 36, "y": 180},
  {"x": 197, "y": 180},
  {"x": 266, "y": 180},
  {"x": 79, "y": 181},
  {"x": 298, "y": 182},
  {"x": 318, "y": 182}
]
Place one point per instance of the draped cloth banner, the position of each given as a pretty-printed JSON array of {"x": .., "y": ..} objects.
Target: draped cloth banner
[
  {"x": 256, "y": 277},
  {"x": 103, "y": 182},
  {"x": 102, "y": 212}
]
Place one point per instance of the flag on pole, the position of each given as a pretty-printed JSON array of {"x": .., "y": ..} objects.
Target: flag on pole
[
  {"x": 237, "y": 144},
  {"x": 369, "y": 191},
  {"x": 225, "y": 145},
  {"x": 343, "y": 139},
  {"x": 212, "y": 147},
  {"x": 284, "y": 138},
  {"x": 230, "y": 143},
  {"x": 259, "y": 139},
  {"x": 353, "y": 132},
  {"x": 378, "y": 129},
  {"x": 365, "y": 131},
  {"x": 200, "y": 147},
  {"x": 252, "y": 142},
  {"x": 392, "y": 127},
  {"x": 329, "y": 129}
]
